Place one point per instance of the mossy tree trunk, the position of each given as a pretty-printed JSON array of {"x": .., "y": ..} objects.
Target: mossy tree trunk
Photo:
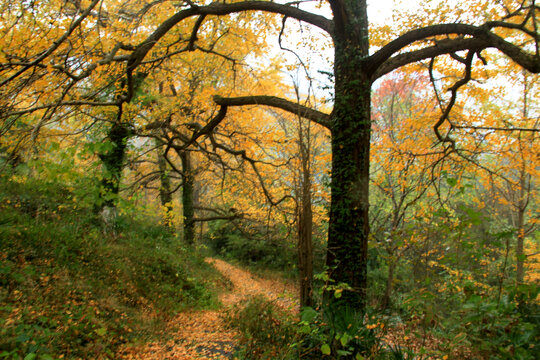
[
  {"x": 165, "y": 193},
  {"x": 188, "y": 206},
  {"x": 113, "y": 165},
  {"x": 351, "y": 131}
]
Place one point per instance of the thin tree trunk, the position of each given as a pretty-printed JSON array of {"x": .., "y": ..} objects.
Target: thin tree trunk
[
  {"x": 187, "y": 198},
  {"x": 305, "y": 220},
  {"x": 387, "y": 299},
  {"x": 523, "y": 193},
  {"x": 165, "y": 194},
  {"x": 520, "y": 256},
  {"x": 305, "y": 252}
]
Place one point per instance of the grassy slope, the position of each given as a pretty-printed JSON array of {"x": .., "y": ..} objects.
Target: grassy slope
[{"x": 69, "y": 291}]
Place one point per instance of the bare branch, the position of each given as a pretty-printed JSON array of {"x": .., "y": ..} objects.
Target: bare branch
[
  {"x": 193, "y": 38},
  {"x": 453, "y": 90},
  {"x": 212, "y": 218},
  {"x": 384, "y": 61},
  {"x": 283, "y": 104},
  {"x": 491, "y": 128},
  {"x": 61, "y": 104}
]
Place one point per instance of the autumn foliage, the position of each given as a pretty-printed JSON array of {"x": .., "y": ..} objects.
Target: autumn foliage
[{"x": 390, "y": 169}]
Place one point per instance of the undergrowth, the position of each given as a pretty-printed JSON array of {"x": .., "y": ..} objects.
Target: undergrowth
[
  {"x": 267, "y": 330},
  {"x": 68, "y": 290}
]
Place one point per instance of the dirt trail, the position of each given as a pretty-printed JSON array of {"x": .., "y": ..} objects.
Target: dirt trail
[{"x": 202, "y": 334}]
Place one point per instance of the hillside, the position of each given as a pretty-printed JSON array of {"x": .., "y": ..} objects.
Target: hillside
[{"x": 69, "y": 289}]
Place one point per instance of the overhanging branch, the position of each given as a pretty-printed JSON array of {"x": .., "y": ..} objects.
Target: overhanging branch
[
  {"x": 478, "y": 38},
  {"x": 279, "y": 103},
  {"x": 225, "y": 9}
]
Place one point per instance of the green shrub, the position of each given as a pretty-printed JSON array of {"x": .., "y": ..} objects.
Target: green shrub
[
  {"x": 260, "y": 247},
  {"x": 267, "y": 331},
  {"x": 335, "y": 334},
  {"x": 509, "y": 329}
]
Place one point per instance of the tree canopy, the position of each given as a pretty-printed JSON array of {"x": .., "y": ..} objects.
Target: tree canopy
[{"x": 68, "y": 65}]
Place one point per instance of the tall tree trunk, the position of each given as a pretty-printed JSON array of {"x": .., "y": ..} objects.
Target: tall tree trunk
[
  {"x": 387, "y": 298},
  {"x": 351, "y": 131},
  {"x": 165, "y": 193},
  {"x": 305, "y": 219},
  {"x": 524, "y": 183},
  {"x": 520, "y": 255},
  {"x": 113, "y": 164},
  {"x": 188, "y": 208}
]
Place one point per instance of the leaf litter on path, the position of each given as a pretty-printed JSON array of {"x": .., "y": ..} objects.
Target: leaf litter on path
[{"x": 203, "y": 334}]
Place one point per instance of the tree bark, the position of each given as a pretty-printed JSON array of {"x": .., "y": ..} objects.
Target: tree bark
[
  {"x": 305, "y": 219},
  {"x": 188, "y": 208},
  {"x": 520, "y": 256},
  {"x": 351, "y": 131},
  {"x": 387, "y": 298},
  {"x": 165, "y": 194},
  {"x": 113, "y": 162}
]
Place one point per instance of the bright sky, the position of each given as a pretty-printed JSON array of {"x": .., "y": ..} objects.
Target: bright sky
[{"x": 379, "y": 11}]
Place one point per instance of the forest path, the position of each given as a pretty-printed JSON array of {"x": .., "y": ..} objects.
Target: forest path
[{"x": 203, "y": 334}]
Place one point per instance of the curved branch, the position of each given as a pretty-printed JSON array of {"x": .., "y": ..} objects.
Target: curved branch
[
  {"x": 446, "y": 113},
  {"x": 225, "y": 9},
  {"x": 283, "y": 104},
  {"x": 440, "y": 48},
  {"x": 207, "y": 129},
  {"x": 193, "y": 38},
  {"x": 481, "y": 38}
]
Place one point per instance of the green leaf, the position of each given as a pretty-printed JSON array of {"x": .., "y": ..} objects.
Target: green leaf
[
  {"x": 308, "y": 314},
  {"x": 345, "y": 339},
  {"x": 359, "y": 357},
  {"x": 451, "y": 181},
  {"x": 45, "y": 357},
  {"x": 30, "y": 356},
  {"x": 22, "y": 338},
  {"x": 305, "y": 329},
  {"x": 325, "y": 349},
  {"x": 101, "y": 332},
  {"x": 322, "y": 276}
]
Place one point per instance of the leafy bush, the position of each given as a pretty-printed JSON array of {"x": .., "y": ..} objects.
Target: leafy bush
[
  {"x": 267, "y": 330},
  {"x": 270, "y": 333},
  {"x": 258, "y": 247},
  {"x": 508, "y": 329},
  {"x": 335, "y": 334}
]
